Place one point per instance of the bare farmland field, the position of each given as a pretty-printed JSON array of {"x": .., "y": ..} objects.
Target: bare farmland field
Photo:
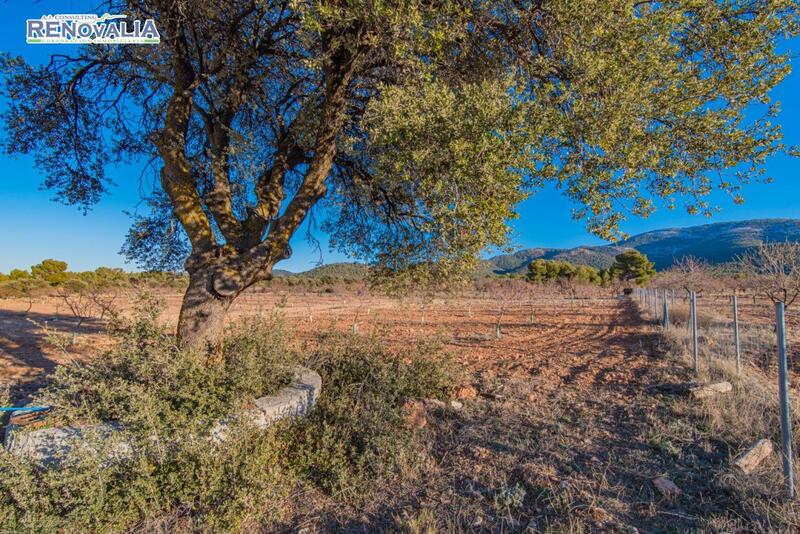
[
  {"x": 565, "y": 421},
  {"x": 534, "y": 329}
]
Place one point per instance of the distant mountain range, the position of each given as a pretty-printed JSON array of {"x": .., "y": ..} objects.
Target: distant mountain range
[{"x": 715, "y": 243}]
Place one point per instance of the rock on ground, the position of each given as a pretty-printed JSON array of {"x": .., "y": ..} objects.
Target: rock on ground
[
  {"x": 666, "y": 487},
  {"x": 709, "y": 390},
  {"x": 752, "y": 457}
]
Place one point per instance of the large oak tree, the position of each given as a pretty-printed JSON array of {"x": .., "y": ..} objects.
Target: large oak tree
[{"x": 420, "y": 124}]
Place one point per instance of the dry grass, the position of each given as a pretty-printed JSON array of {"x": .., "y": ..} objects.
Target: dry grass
[
  {"x": 716, "y": 338},
  {"x": 732, "y": 422}
]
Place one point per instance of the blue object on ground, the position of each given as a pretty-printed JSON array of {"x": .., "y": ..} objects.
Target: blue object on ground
[{"x": 24, "y": 408}]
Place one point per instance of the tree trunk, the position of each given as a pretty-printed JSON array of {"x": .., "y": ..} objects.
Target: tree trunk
[{"x": 203, "y": 311}]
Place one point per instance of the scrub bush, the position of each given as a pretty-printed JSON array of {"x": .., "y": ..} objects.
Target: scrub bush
[{"x": 165, "y": 400}]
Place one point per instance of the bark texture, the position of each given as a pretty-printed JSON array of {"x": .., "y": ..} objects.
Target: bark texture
[{"x": 203, "y": 311}]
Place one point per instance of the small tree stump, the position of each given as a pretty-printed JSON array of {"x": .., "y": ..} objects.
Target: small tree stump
[
  {"x": 752, "y": 457},
  {"x": 709, "y": 390}
]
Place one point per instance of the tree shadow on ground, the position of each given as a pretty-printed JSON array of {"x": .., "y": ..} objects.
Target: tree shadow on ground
[{"x": 26, "y": 357}]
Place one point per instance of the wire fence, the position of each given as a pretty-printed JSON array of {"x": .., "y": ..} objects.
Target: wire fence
[
  {"x": 717, "y": 327},
  {"x": 718, "y": 321}
]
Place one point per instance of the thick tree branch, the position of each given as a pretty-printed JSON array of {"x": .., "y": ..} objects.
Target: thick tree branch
[
  {"x": 176, "y": 177},
  {"x": 219, "y": 199}
]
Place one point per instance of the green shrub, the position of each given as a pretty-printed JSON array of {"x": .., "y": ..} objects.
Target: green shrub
[
  {"x": 219, "y": 488},
  {"x": 18, "y": 274},
  {"x": 159, "y": 279},
  {"x": 146, "y": 375},
  {"x": 74, "y": 285},
  {"x": 165, "y": 400},
  {"x": 104, "y": 278},
  {"x": 357, "y": 432},
  {"x": 23, "y": 287}
]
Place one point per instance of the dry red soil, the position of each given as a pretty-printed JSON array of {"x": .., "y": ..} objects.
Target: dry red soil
[{"x": 566, "y": 341}]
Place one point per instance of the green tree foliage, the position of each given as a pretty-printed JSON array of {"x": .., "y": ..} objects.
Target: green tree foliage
[
  {"x": 54, "y": 272},
  {"x": 633, "y": 266},
  {"x": 542, "y": 271},
  {"x": 18, "y": 274},
  {"x": 538, "y": 271},
  {"x": 419, "y": 124},
  {"x": 105, "y": 277},
  {"x": 606, "y": 276},
  {"x": 586, "y": 274}
]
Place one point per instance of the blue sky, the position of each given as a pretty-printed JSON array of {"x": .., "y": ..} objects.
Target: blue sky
[{"x": 34, "y": 227}]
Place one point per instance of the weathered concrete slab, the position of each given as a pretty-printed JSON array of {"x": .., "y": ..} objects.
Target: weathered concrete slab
[
  {"x": 51, "y": 446},
  {"x": 295, "y": 400}
]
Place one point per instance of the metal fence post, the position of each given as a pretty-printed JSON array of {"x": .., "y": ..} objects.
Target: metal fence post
[
  {"x": 695, "y": 351},
  {"x": 783, "y": 384},
  {"x": 736, "y": 335},
  {"x": 655, "y": 305},
  {"x": 653, "y": 300},
  {"x": 666, "y": 312}
]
